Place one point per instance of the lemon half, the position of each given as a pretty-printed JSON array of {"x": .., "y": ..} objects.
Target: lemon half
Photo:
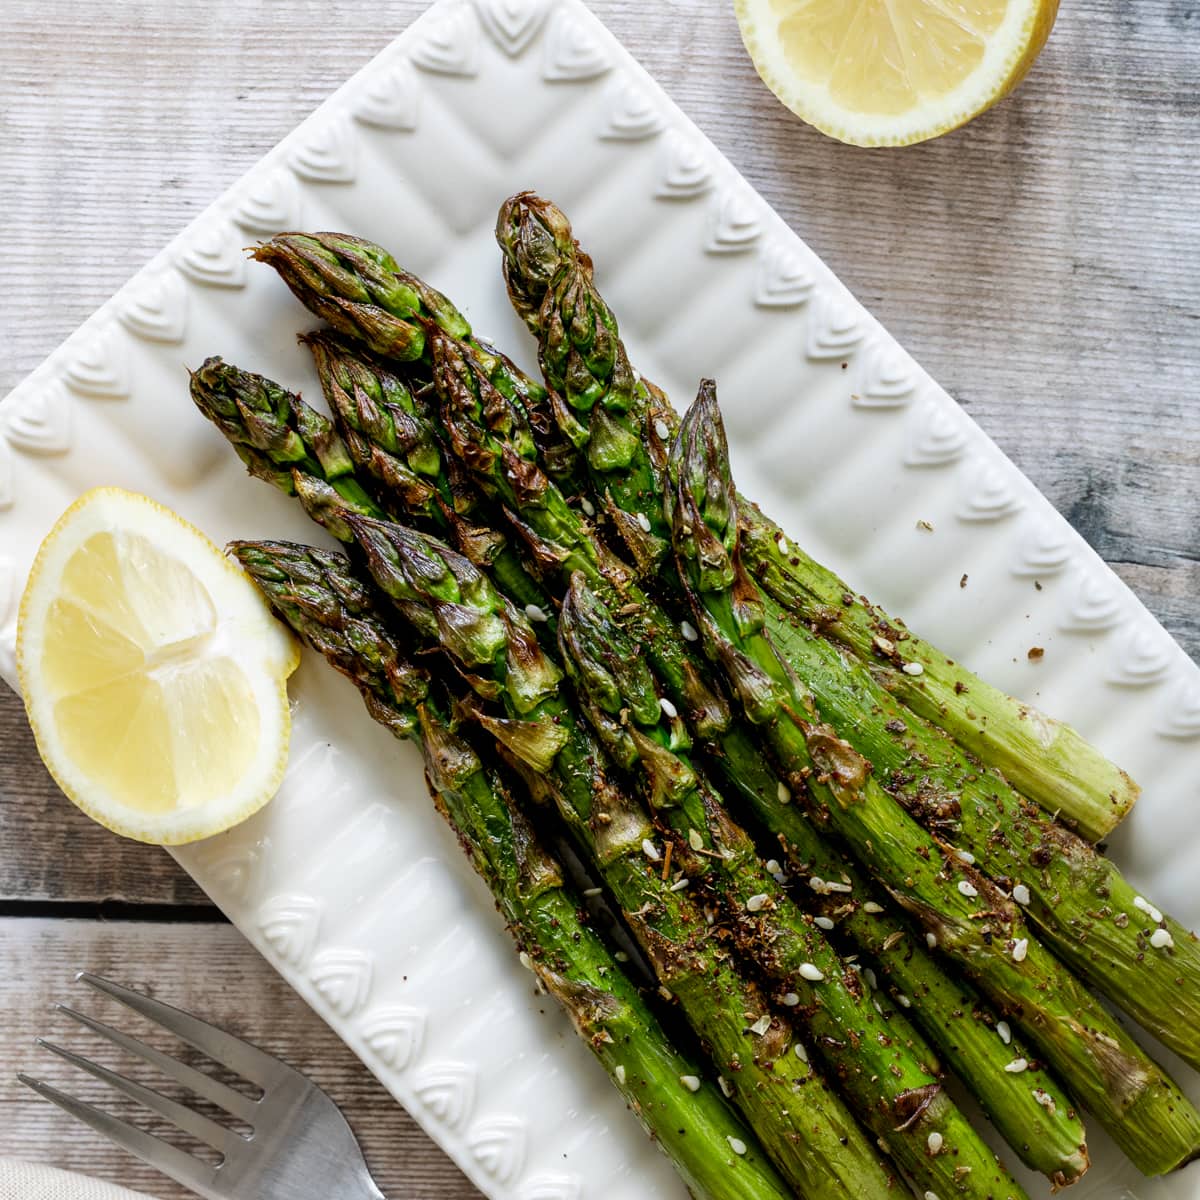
[
  {"x": 893, "y": 72},
  {"x": 153, "y": 672}
]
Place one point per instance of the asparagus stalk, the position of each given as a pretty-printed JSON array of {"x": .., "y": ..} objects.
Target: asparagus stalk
[
  {"x": 885, "y": 1068},
  {"x": 358, "y": 288},
  {"x": 551, "y": 287},
  {"x": 316, "y": 593},
  {"x": 289, "y": 444},
  {"x": 806, "y": 1130},
  {"x": 361, "y": 392},
  {"x": 968, "y": 915}
]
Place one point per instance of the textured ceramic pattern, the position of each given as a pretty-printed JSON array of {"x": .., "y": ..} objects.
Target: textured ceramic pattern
[{"x": 348, "y": 882}]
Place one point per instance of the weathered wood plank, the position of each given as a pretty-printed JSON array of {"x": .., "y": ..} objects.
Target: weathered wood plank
[
  {"x": 211, "y": 970},
  {"x": 49, "y": 851}
]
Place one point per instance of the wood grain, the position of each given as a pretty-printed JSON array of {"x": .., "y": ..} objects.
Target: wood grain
[
  {"x": 1040, "y": 263},
  {"x": 51, "y": 854},
  {"x": 213, "y": 971}
]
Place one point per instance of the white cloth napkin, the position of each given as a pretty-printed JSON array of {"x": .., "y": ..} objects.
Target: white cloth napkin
[{"x": 28, "y": 1181}]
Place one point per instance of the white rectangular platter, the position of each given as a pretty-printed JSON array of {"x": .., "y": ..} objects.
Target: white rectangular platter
[{"x": 348, "y": 882}]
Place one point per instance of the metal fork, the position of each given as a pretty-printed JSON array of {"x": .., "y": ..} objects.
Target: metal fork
[{"x": 300, "y": 1146}]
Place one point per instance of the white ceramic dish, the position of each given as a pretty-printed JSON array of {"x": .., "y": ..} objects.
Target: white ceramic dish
[{"x": 348, "y": 882}]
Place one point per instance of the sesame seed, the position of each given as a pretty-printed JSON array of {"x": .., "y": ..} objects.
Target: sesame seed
[
  {"x": 650, "y": 850},
  {"x": 1005, "y": 1032},
  {"x": 783, "y": 794},
  {"x": 736, "y": 1145},
  {"x": 869, "y": 976},
  {"x": 680, "y": 884},
  {"x": 931, "y": 1196},
  {"x": 817, "y": 884},
  {"x": 1017, "y": 1066},
  {"x": 781, "y": 878},
  {"x": 782, "y": 544},
  {"x": 791, "y": 999},
  {"x": 968, "y": 889},
  {"x": 773, "y": 867},
  {"x": 931, "y": 940},
  {"x": 688, "y": 630},
  {"x": 669, "y": 710},
  {"x": 620, "y": 1073},
  {"x": 695, "y": 840},
  {"x": 592, "y": 891},
  {"x": 1020, "y": 949},
  {"x": 660, "y": 427},
  {"x": 725, "y": 1086},
  {"x": 823, "y": 923},
  {"x": 914, "y": 668},
  {"x": 587, "y": 506},
  {"x": 934, "y": 1142},
  {"x": 965, "y": 856},
  {"x": 801, "y": 1053},
  {"x": 811, "y": 973},
  {"x": 903, "y": 1000},
  {"x": 878, "y": 1007},
  {"x": 691, "y": 1082},
  {"x": 830, "y": 886},
  {"x": 644, "y": 522},
  {"x": 761, "y": 1025},
  {"x": 1021, "y": 894},
  {"x": 620, "y": 956},
  {"x": 871, "y": 907},
  {"x": 526, "y": 961},
  {"x": 1147, "y": 908},
  {"x": 757, "y": 902},
  {"x": 534, "y": 613},
  {"x": 666, "y": 994},
  {"x": 1160, "y": 938}
]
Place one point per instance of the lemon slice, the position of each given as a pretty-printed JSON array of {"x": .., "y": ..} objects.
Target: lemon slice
[
  {"x": 153, "y": 672},
  {"x": 893, "y": 72}
]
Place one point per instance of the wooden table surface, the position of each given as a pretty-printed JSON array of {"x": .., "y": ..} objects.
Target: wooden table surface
[{"x": 1042, "y": 263}]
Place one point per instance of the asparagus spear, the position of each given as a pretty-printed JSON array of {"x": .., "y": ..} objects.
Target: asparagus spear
[
  {"x": 551, "y": 287},
  {"x": 316, "y": 593},
  {"x": 886, "y": 1070},
  {"x": 287, "y": 443},
  {"x": 358, "y": 288},
  {"x": 1048, "y": 1137},
  {"x": 806, "y": 1130},
  {"x": 970, "y": 917}
]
